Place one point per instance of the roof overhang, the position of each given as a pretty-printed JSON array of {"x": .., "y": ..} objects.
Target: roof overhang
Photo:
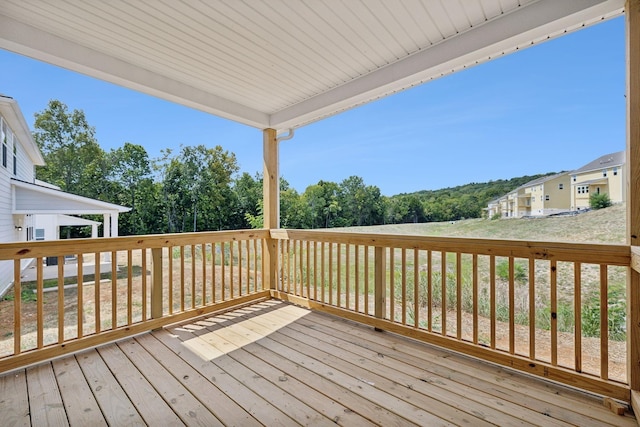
[
  {"x": 11, "y": 112},
  {"x": 74, "y": 221},
  {"x": 282, "y": 64},
  {"x": 599, "y": 181},
  {"x": 32, "y": 199}
]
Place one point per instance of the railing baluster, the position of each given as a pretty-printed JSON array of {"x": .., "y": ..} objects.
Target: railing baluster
[
  {"x": 156, "y": 283},
  {"x": 403, "y": 303},
  {"x": 182, "y": 278},
  {"x": 170, "y": 262},
  {"x": 330, "y": 273},
  {"x": 512, "y": 311},
  {"x": 193, "y": 276},
  {"x": 231, "y": 281},
  {"x": 492, "y": 299},
  {"x": 392, "y": 285},
  {"x": 60, "y": 300},
  {"x": 357, "y": 277},
  {"x": 380, "y": 286},
  {"x": 339, "y": 275},
  {"x": 554, "y": 312},
  {"x": 40, "y": 303},
  {"x": 323, "y": 276},
  {"x": 143, "y": 284},
  {"x": 366, "y": 280},
  {"x": 308, "y": 266},
  {"x": 443, "y": 308},
  {"x": 475, "y": 297},
  {"x": 429, "y": 291},
  {"x": 223, "y": 248},
  {"x": 458, "y": 295},
  {"x": 129, "y": 287},
  {"x": 532, "y": 308},
  {"x": 213, "y": 272},
  {"x": 114, "y": 290},
  {"x": 17, "y": 306},
  {"x": 203, "y": 251},
  {"x": 315, "y": 271},
  {"x": 577, "y": 307},
  {"x": 347, "y": 273},
  {"x": 604, "y": 322},
  {"x": 80, "y": 287},
  {"x": 416, "y": 289},
  {"x": 239, "y": 267},
  {"x": 96, "y": 288}
]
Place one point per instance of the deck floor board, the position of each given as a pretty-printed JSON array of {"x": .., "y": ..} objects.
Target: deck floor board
[{"x": 273, "y": 363}]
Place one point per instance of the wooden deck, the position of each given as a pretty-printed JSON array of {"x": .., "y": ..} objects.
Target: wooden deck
[{"x": 277, "y": 364}]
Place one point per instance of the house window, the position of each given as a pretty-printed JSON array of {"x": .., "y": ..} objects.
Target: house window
[
  {"x": 533, "y": 199},
  {"x": 4, "y": 150},
  {"x": 561, "y": 186},
  {"x": 29, "y": 234},
  {"x": 573, "y": 178},
  {"x": 546, "y": 197},
  {"x": 15, "y": 158},
  {"x": 583, "y": 189},
  {"x": 39, "y": 233},
  {"x": 615, "y": 171},
  {"x": 604, "y": 173}
]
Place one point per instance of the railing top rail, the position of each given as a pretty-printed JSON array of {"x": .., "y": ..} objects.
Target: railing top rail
[
  {"x": 596, "y": 253},
  {"x": 33, "y": 249}
]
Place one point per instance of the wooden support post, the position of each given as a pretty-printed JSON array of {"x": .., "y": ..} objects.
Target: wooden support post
[
  {"x": 271, "y": 205},
  {"x": 156, "y": 283},
  {"x": 380, "y": 284},
  {"x": 632, "y": 12}
]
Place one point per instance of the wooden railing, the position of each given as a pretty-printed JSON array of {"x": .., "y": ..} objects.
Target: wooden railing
[
  {"x": 556, "y": 310},
  {"x": 115, "y": 287}
]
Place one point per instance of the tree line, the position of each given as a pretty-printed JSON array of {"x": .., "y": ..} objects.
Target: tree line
[{"x": 197, "y": 188}]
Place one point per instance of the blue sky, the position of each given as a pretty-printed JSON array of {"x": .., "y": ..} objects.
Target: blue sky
[{"x": 554, "y": 106}]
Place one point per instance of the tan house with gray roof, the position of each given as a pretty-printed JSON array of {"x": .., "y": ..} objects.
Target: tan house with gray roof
[{"x": 603, "y": 175}]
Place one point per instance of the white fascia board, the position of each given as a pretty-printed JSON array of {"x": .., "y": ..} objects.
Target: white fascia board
[
  {"x": 15, "y": 119},
  {"x": 63, "y": 212},
  {"x": 26, "y": 40},
  {"x": 504, "y": 34}
]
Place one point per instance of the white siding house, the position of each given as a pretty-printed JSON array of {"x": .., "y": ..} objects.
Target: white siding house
[{"x": 32, "y": 209}]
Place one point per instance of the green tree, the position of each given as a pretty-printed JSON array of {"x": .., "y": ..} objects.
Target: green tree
[
  {"x": 197, "y": 188},
  {"x": 130, "y": 168},
  {"x": 74, "y": 160}
]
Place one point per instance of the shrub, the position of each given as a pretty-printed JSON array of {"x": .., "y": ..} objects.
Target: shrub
[{"x": 599, "y": 201}]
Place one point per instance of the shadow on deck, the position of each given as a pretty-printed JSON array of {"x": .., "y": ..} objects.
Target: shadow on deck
[{"x": 273, "y": 363}]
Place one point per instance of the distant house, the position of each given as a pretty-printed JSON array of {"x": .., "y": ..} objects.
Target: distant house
[
  {"x": 32, "y": 209},
  {"x": 603, "y": 175},
  {"x": 547, "y": 195}
]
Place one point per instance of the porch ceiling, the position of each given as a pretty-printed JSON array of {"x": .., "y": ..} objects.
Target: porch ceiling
[{"x": 281, "y": 64}]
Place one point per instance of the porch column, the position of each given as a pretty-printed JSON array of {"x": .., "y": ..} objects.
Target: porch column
[
  {"x": 106, "y": 225},
  {"x": 632, "y": 15},
  {"x": 271, "y": 203},
  {"x": 114, "y": 224}
]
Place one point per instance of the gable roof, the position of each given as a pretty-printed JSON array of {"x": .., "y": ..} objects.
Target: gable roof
[
  {"x": 11, "y": 112},
  {"x": 543, "y": 179},
  {"x": 37, "y": 199},
  {"x": 602, "y": 162},
  {"x": 282, "y": 64}
]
